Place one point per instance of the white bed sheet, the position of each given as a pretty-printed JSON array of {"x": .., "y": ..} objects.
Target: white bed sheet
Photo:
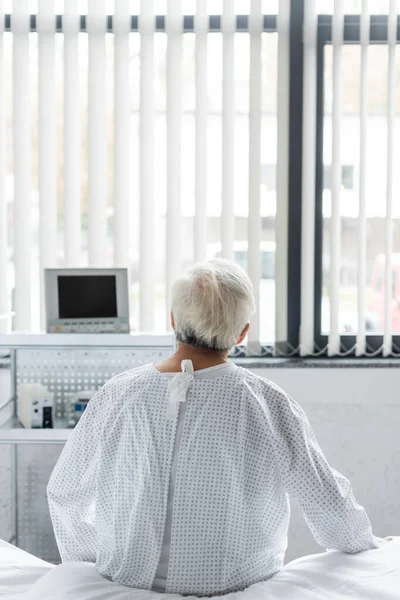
[
  {"x": 373, "y": 575},
  {"x": 19, "y": 571}
]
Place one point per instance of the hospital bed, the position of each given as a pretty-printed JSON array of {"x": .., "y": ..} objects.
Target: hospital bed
[
  {"x": 373, "y": 575},
  {"x": 28, "y": 456}
]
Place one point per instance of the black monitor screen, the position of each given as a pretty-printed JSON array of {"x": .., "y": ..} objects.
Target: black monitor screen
[{"x": 87, "y": 296}]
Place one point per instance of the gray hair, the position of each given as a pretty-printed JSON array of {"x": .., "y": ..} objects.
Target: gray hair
[{"x": 212, "y": 303}]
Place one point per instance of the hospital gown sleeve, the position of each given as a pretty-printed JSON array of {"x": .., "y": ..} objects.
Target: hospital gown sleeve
[
  {"x": 335, "y": 519},
  {"x": 72, "y": 486}
]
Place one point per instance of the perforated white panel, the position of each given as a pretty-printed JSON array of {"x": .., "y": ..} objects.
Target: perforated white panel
[
  {"x": 6, "y": 492},
  {"x": 68, "y": 370},
  {"x": 63, "y": 372},
  {"x": 35, "y": 463}
]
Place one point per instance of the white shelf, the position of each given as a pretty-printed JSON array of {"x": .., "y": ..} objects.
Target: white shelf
[
  {"x": 101, "y": 340},
  {"x": 12, "y": 432},
  {"x": 34, "y": 436}
]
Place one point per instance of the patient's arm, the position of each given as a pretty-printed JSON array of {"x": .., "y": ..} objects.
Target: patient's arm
[
  {"x": 71, "y": 489},
  {"x": 326, "y": 497}
]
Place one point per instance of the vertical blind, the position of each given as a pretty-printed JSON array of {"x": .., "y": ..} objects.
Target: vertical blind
[
  {"x": 121, "y": 140},
  {"x": 362, "y": 220},
  {"x": 47, "y": 143},
  {"x": 174, "y": 137},
  {"x": 391, "y": 94},
  {"x": 3, "y": 207},
  {"x": 282, "y": 182},
  {"x": 84, "y": 101},
  {"x": 254, "y": 225},
  {"x": 72, "y": 141},
  {"x": 228, "y": 111},
  {"x": 332, "y": 86},
  {"x": 308, "y": 178},
  {"x": 337, "y": 43},
  {"x": 147, "y": 172},
  {"x": 200, "y": 231},
  {"x": 22, "y": 165},
  {"x": 96, "y": 117}
]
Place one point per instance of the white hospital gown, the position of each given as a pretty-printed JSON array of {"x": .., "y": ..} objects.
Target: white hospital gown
[{"x": 181, "y": 483}]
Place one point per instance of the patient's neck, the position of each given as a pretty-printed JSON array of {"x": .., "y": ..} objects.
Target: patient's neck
[{"x": 200, "y": 357}]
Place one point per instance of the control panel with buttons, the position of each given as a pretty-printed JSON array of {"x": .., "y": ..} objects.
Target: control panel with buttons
[{"x": 86, "y": 326}]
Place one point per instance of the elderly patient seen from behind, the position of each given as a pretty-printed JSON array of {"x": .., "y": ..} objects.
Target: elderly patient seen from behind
[{"x": 178, "y": 476}]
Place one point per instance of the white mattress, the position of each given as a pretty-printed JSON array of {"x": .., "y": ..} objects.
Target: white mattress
[{"x": 373, "y": 575}]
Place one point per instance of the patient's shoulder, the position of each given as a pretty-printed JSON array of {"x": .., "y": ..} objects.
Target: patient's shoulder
[
  {"x": 116, "y": 387},
  {"x": 269, "y": 394},
  {"x": 261, "y": 385}
]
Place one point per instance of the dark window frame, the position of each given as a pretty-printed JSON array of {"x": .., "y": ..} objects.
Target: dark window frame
[{"x": 351, "y": 35}]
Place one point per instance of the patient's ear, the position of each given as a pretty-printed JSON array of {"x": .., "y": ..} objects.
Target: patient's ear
[
  {"x": 172, "y": 321},
  {"x": 243, "y": 334}
]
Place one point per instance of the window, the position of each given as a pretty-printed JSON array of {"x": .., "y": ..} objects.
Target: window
[
  {"x": 264, "y": 132},
  {"x": 347, "y": 177},
  {"x": 394, "y": 285},
  {"x": 380, "y": 276},
  {"x": 358, "y": 126},
  {"x": 268, "y": 176}
]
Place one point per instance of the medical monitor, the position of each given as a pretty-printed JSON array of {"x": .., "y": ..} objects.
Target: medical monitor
[{"x": 87, "y": 300}]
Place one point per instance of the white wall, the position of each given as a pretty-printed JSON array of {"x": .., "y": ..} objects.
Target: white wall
[{"x": 355, "y": 413}]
